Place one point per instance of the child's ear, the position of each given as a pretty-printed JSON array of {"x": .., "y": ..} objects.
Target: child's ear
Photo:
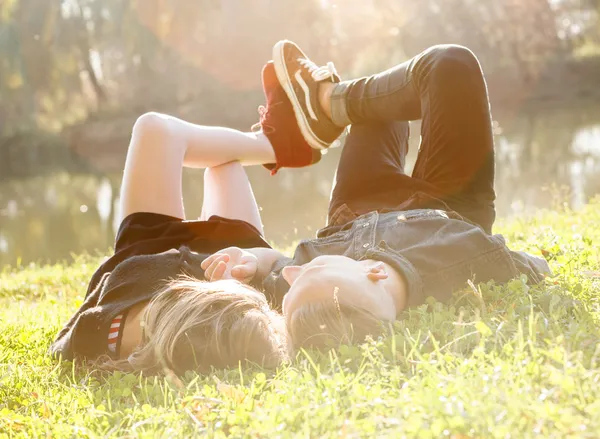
[
  {"x": 376, "y": 272},
  {"x": 291, "y": 273}
]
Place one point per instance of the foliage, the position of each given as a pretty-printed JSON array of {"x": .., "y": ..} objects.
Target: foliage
[
  {"x": 499, "y": 361},
  {"x": 67, "y": 59}
]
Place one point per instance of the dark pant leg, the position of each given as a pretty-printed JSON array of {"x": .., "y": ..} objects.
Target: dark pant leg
[
  {"x": 445, "y": 87},
  {"x": 372, "y": 162}
]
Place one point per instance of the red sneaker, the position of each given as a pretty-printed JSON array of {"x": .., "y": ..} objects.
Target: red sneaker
[{"x": 278, "y": 122}]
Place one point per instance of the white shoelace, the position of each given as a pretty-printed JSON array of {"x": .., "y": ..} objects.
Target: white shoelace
[{"x": 318, "y": 73}]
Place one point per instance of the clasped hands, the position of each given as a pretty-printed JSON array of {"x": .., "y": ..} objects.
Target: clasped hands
[{"x": 230, "y": 263}]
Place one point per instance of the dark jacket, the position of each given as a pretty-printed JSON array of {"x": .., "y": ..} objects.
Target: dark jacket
[
  {"x": 435, "y": 251},
  {"x": 150, "y": 250}
]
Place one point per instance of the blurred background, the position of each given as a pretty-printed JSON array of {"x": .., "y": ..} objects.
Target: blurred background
[{"x": 74, "y": 75}]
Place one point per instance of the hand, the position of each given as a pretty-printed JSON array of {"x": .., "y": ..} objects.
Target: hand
[{"x": 230, "y": 263}]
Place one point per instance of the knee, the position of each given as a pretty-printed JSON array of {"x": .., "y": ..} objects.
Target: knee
[
  {"x": 151, "y": 124},
  {"x": 454, "y": 57}
]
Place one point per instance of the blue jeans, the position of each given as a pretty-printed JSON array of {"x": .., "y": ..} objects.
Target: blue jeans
[{"x": 444, "y": 86}]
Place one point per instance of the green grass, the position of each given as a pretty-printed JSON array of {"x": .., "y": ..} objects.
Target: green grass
[{"x": 500, "y": 361}]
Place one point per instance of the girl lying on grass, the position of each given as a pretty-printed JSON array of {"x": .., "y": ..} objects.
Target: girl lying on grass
[
  {"x": 148, "y": 307},
  {"x": 392, "y": 239}
]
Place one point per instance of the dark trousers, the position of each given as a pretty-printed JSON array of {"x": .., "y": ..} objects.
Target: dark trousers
[{"x": 444, "y": 86}]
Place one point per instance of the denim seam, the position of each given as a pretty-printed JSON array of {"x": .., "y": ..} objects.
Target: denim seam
[
  {"x": 374, "y": 225},
  {"x": 332, "y": 239}
]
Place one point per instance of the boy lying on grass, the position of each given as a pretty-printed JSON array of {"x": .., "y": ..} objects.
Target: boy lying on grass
[{"x": 392, "y": 239}]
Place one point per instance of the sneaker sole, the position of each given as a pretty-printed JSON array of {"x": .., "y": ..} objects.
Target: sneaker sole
[{"x": 284, "y": 80}]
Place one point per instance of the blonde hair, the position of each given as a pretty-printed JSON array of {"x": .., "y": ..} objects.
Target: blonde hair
[
  {"x": 331, "y": 324},
  {"x": 196, "y": 325}
]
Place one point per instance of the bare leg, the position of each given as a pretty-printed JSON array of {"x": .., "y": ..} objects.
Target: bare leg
[
  {"x": 161, "y": 145},
  {"x": 228, "y": 193}
]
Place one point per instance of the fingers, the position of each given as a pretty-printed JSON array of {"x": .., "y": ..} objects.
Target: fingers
[
  {"x": 212, "y": 258},
  {"x": 241, "y": 272},
  {"x": 219, "y": 271},
  {"x": 217, "y": 262},
  {"x": 216, "y": 265},
  {"x": 246, "y": 270}
]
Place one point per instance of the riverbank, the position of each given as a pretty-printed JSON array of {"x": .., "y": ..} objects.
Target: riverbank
[{"x": 499, "y": 361}]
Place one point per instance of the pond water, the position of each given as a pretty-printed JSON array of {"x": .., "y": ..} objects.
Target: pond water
[{"x": 545, "y": 157}]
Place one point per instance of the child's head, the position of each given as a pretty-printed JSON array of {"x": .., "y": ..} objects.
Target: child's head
[
  {"x": 329, "y": 324},
  {"x": 196, "y": 325},
  {"x": 335, "y": 299}
]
